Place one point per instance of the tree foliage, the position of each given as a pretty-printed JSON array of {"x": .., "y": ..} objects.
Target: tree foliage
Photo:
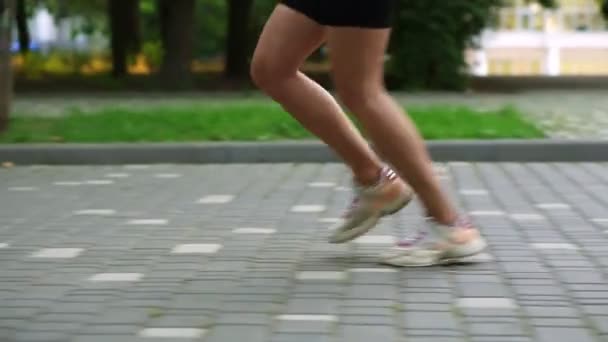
[{"x": 430, "y": 38}]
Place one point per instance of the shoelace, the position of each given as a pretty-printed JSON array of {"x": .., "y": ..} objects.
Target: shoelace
[{"x": 385, "y": 174}]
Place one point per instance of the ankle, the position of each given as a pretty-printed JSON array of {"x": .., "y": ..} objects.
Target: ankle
[
  {"x": 445, "y": 219},
  {"x": 367, "y": 177}
]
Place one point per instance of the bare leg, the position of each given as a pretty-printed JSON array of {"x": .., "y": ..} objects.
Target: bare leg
[
  {"x": 287, "y": 40},
  {"x": 358, "y": 70}
]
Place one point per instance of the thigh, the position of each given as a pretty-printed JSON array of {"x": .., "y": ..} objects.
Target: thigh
[
  {"x": 288, "y": 38},
  {"x": 357, "y": 56}
]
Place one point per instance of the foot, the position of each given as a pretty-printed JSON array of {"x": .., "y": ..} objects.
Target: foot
[
  {"x": 451, "y": 244},
  {"x": 389, "y": 195}
]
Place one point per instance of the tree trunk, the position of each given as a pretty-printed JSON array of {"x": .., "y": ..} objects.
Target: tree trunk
[
  {"x": 237, "y": 44},
  {"x": 7, "y": 8},
  {"x": 125, "y": 33},
  {"x": 177, "y": 32},
  {"x": 23, "y": 30}
]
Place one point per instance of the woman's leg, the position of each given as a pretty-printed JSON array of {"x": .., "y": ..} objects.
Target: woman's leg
[
  {"x": 357, "y": 56},
  {"x": 358, "y": 69},
  {"x": 287, "y": 40}
]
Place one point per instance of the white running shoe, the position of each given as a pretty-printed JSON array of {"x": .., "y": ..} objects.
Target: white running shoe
[
  {"x": 370, "y": 204},
  {"x": 450, "y": 244}
]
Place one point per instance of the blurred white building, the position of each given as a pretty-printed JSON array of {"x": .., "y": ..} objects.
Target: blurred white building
[{"x": 530, "y": 40}]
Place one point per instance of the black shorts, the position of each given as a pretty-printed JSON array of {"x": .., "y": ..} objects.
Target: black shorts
[{"x": 348, "y": 13}]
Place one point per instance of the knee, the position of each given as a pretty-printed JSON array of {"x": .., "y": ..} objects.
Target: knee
[
  {"x": 358, "y": 97},
  {"x": 266, "y": 74}
]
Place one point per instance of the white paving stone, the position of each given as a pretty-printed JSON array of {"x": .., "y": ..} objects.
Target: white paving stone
[
  {"x": 527, "y": 217},
  {"x": 308, "y": 208},
  {"x": 58, "y": 253},
  {"x": 459, "y": 164},
  {"x": 188, "y": 333},
  {"x": 315, "y": 318},
  {"x": 320, "y": 275},
  {"x": 116, "y": 277},
  {"x": 95, "y": 212},
  {"x": 99, "y": 182},
  {"x": 216, "y": 199},
  {"x": 487, "y": 303},
  {"x": 322, "y": 185},
  {"x": 4, "y": 245},
  {"x": 342, "y": 188},
  {"x": 167, "y": 175},
  {"x": 372, "y": 270},
  {"x": 197, "y": 248},
  {"x": 68, "y": 183},
  {"x": 22, "y": 188},
  {"x": 553, "y": 206},
  {"x": 473, "y": 192},
  {"x": 148, "y": 222},
  {"x": 600, "y": 220},
  {"x": 118, "y": 175},
  {"x": 254, "y": 231},
  {"x": 376, "y": 240},
  {"x": 487, "y": 213},
  {"x": 329, "y": 220},
  {"x": 137, "y": 167},
  {"x": 558, "y": 246}
]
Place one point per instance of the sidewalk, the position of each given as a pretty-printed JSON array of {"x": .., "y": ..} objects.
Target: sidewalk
[{"x": 224, "y": 253}]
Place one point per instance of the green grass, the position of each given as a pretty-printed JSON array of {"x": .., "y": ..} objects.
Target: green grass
[{"x": 243, "y": 121}]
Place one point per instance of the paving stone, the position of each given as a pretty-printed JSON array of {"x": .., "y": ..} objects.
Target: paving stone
[
  {"x": 305, "y": 326},
  {"x": 172, "y": 333},
  {"x": 538, "y": 291},
  {"x": 58, "y": 253},
  {"x": 557, "y": 322},
  {"x": 371, "y": 292},
  {"x": 433, "y": 307},
  {"x": 122, "y": 316},
  {"x": 301, "y": 338},
  {"x": 486, "y": 303},
  {"x": 312, "y": 306},
  {"x": 500, "y": 339},
  {"x": 244, "y": 319},
  {"x": 434, "y": 339},
  {"x": 358, "y": 333},
  {"x": 551, "y": 312},
  {"x": 496, "y": 329},
  {"x": 430, "y": 320},
  {"x": 581, "y": 277},
  {"x": 171, "y": 320},
  {"x": 552, "y": 334},
  {"x": 42, "y": 336},
  {"x": 492, "y": 290},
  {"x": 110, "y": 329},
  {"x": 427, "y": 298},
  {"x": 367, "y": 320}
]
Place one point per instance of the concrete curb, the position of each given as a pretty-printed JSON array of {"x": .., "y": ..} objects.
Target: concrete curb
[{"x": 293, "y": 152}]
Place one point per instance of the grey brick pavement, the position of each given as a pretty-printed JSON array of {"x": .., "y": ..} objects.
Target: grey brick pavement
[{"x": 217, "y": 253}]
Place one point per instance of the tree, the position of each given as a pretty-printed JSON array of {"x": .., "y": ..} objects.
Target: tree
[
  {"x": 7, "y": 8},
  {"x": 23, "y": 30},
  {"x": 237, "y": 43},
  {"x": 125, "y": 33},
  {"x": 430, "y": 37},
  {"x": 177, "y": 36}
]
